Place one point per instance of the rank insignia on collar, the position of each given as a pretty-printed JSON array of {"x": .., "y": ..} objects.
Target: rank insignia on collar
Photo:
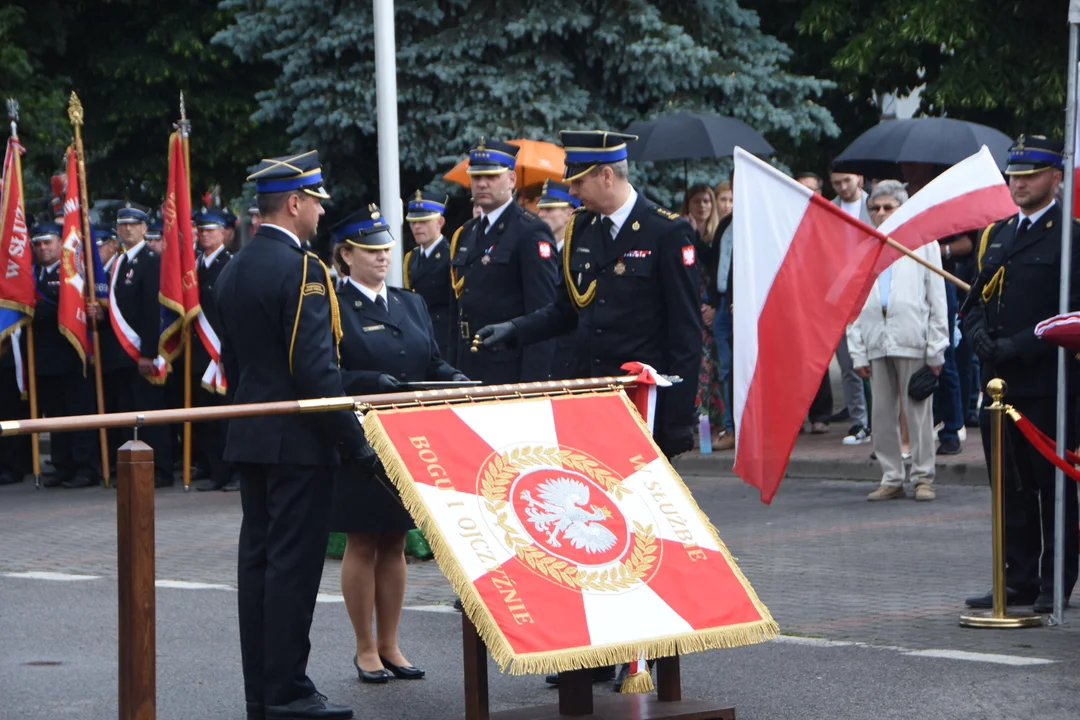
[
  {"x": 501, "y": 226},
  {"x": 438, "y": 255},
  {"x": 593, "y": 221},
  {"x": 636, "y": 225},
  {"x": 1049, "y": 223},
  {"x": 358, "y": 303}
]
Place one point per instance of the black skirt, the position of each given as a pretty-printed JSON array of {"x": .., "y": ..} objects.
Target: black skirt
[{"x": 367, "y": 503}]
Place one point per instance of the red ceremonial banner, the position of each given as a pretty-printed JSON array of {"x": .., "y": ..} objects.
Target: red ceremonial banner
[
  {"x": 570, "y": 539},
  {"x": 72, "y": 303},
  {"x": 179, "y": 289},
  {"x": 17, "y": 294}
]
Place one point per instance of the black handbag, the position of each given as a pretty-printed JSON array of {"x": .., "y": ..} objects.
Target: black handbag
[{"x": 922, "y": 384}]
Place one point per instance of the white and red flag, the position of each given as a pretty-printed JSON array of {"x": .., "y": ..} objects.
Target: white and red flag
[
  {"x": 801, "y": 271},
  {"x": 565, "y": 531}
]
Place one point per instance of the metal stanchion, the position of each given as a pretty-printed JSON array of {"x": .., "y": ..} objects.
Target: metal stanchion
[{"x": 999, "y": 616}]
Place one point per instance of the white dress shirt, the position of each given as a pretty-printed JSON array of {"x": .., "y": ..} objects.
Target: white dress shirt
[{"x": 618, "y": 218}]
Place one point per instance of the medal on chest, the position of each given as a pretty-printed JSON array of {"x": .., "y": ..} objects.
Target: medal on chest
[{"x": 620, "y": 268}]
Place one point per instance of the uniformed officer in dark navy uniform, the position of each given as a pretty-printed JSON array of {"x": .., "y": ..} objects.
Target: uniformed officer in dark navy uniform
[
  {"x": 16, "y": 459},
  {"x": 129, "y": 357},
  {"x": 280, "y": 326},
  {"x": 63, "y": 384},
  {"x": 209, "y": 436},
  {"x": 1017, "y": 287},
  {"x": 555, "y": 207},
  {"x": 629, "y": 290},
  {"x": 502, "y": 266},
  {"x": 427, "y": 266}
]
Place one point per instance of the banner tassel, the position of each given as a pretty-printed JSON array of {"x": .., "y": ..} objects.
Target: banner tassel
[{"x": 639, "y": 678}]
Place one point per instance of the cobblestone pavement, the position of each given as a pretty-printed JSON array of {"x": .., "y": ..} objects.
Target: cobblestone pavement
[{"x": 827, "y": 563}]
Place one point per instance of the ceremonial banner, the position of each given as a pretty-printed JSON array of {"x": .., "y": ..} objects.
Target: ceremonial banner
[
  {"x": 71, "y": 306},
  {"x": 179, "y": 289},
  {"x": 565, "y": 531},
  {"x": 17, "y": 296}
]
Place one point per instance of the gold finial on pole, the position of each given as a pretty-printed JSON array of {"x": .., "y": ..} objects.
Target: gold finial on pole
[
  {"x": 999, "y": 616},
  {"x": 75, "y": 110}
]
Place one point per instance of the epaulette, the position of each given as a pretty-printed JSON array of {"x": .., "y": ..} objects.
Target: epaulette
[
  {"x": 665, "y": 213},
  {"x": 528, "y": 214}
]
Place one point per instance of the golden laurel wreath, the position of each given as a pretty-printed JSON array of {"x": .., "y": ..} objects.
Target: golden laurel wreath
[{"x": 501, "y": 470}]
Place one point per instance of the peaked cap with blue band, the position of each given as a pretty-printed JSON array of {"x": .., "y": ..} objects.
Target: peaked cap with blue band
[
  {"x": 132, "y": 213},
  {"x": 44, "y": 231},
  {"x": 585, "y": 149},
  {"x": 208, "y": 218},
  {"x": 1030, "y": 155},
  {"x": 492, "y": 158},
  {"x": 290, "y": 173},
  {"x": 365, "y": 229},
  {"x": 426, "y": 206},
  {"x": 556, "y": 195},
  {"x": 153, "y": 231}
]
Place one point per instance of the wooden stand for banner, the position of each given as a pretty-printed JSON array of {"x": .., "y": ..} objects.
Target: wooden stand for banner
[{"x": 576, "y": 693}]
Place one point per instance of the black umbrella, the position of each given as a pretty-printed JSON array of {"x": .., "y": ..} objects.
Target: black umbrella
[
  {"x": 939, "y": 141},
  {"x": 693, "y": 136}
]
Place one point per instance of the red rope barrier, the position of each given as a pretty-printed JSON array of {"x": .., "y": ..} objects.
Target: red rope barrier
[{"x": 1046, "y": 445}]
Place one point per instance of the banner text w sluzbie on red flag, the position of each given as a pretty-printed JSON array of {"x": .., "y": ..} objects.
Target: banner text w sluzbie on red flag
[
  {"x": 802, "y": 269},
  {"x": 17, "y": 296}
]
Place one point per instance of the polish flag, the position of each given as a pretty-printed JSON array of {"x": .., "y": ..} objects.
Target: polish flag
[
  {"x": 802, "y": 267},
  {"x": 967, "y": 197}
]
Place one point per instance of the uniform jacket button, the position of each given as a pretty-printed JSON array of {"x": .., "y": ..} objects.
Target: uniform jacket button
[
  {"x": 602, "y": 301},
  {"x": 596, "y": 361},
  {"x": 397, "y": 334},
  {"x": 598, "y": 331},
  {"x": 401, "y": 352}
]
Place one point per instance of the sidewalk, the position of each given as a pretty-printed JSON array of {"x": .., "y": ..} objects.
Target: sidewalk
[{"x": 825, "y": 456}]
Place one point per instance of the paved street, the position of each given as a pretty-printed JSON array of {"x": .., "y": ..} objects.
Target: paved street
[{"x": 866, "y": 594}]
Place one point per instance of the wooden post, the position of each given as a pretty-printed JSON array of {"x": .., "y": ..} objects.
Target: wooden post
[
  {"x": 476, "y": 679},
  {"x": 668, "y": 679},
  {"x": 575, "y": 693},
  {"x": 135, "y": 578}
]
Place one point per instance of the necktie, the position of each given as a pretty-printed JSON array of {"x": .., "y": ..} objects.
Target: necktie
[
  {"x": 608, "y": 224},
  {"x": 380, "y": 302},
  {"x": 419, "y": 260},
  {"x": 1025, "y": 224},
  {"x": 484, "y": 225}
]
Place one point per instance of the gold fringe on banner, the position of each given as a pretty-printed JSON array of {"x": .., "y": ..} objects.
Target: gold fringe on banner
[{"x": 731, "y": 636}]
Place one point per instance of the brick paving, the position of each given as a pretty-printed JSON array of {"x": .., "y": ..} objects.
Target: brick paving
[{"x": 826, "y": 562}]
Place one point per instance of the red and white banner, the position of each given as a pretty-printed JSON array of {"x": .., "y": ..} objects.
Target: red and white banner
[
  {"x": 568, "y": 536},
  {"x": 967, "y": 197},
  {"x": 71, "y": 305},
  {"x": 213, "y": 379}
]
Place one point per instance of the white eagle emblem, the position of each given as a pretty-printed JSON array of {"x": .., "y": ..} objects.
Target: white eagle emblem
[{"x": 560, "y": 509}]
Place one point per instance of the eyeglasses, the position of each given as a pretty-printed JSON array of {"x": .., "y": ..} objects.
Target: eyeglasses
[{"x": 883, "y": 208}]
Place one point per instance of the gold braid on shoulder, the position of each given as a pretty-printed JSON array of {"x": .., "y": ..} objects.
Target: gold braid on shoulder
[
  {"x": 405, "y": 269},
  {"x": 457, "y": 283},
  {"x": 335, "y": 311},
  {"x": 998, "y": 279},
  {"x": 581, "y": 300}
]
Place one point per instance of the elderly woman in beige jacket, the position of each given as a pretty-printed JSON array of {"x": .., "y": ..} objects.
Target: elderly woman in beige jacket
[{"x": 902, "y": 328}]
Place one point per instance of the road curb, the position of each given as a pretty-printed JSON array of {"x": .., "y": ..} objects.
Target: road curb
[{"x": 950, "y": 473}]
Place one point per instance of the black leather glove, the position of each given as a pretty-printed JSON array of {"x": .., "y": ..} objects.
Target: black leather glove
[
  {"x": 459, "y": 377},
  {"x": 983, "y": 345},
  {"x": 362, "y": 456},
  {"x": 676, "y": 440},
  {"x": 499, "y": 336},
  {"x": 1005, "y": 350},
  {"x": 388, "y": 383}
]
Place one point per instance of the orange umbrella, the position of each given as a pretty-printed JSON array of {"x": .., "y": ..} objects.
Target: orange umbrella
[{"x": 537, "y": 161}]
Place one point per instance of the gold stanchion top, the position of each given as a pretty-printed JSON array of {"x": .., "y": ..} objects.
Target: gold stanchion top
[
  {"x": 997, "y": 389},
  {"x": 75, "y": 109}
]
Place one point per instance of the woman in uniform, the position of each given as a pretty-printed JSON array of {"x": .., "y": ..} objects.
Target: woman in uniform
[{"x": 388, "y": 341}]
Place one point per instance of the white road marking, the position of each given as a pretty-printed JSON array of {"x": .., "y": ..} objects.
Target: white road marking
[
  {"x": 329, "y": 598},
  {"x": 448, "y": 609},
  {"x": 59, "y": 577},
  {"x": 1013, "y": 660},
  {"x": 185, "y": 585}
]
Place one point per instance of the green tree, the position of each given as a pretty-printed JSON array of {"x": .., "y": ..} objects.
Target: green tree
[
  {"x": 997, "y": 62},
  {"x": 129, "y": 60},
  {"x": 472, "y": 68}
]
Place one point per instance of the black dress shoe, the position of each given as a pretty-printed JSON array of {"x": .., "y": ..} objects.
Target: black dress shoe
[
  {"x": 207, "y": 485},
  {"x": 313, "y": 706},
  {"x": 1044, "y": 604},
  {"x": 375, "y": 677},
  {"x": 402, "y": 672},
  {"x": 972, "y": 420},
  {"x": 458, "y": 606},
  {"x": 233, "y": 485},
  {"x": 949, "y": 446},
  {"x": 9, "y": 479},
  {"x": 1012, "y": 597},
  {"x": 51, "y": 481},
  {"x": 600, "y": 674}
]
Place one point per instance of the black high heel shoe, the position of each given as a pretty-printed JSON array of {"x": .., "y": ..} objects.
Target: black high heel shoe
[
  {"x": 378, "y": 677},
  {"x": 403, "y": 672}
]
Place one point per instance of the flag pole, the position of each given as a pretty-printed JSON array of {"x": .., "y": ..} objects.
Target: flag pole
[
  {"x": 31, "y": 365},
  {"x": 1063, "y": 307},
  {"x": 185, "y": 131},
  {"x": 929, "y": 266},
  {"x": 75, "y": 115}
]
